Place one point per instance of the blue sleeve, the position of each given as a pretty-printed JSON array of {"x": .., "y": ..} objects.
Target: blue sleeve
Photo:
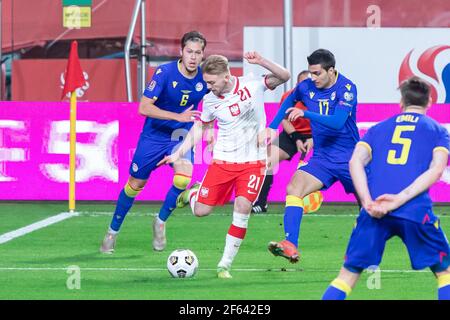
[
  {"x": 155, "y": 87},
  {"x": 443, "y": 138},
  {"x": 368, "y": 136},
  {"x": 287, "y": 103},
  {"x": 336, "y": 121},
  {"x": 346, "y": 101}
]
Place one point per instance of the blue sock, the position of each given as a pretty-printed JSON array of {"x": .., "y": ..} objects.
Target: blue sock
[
  {"x": 124, "y": 203},
  {"x": 169, "y": 203},
  {"x": 292, "y": 218},
  {"x": 333, "y": 293},
  {"x": 444, "y": 286},
  {"x": 444, "y": 293},
  {"x": 337, "y": 290}
]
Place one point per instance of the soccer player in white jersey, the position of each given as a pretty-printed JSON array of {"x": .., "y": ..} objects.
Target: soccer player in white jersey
[{"x": 239, "y": 156}]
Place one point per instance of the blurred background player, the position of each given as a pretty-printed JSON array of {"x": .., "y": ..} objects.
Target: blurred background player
[
  {"x": 240, "y": 152},
  {"x": 330, "y": 99},
  {"x": 169, "y": 102},
  {"x": 295, "y": 137},
  {"x": 405, "y": 155}
]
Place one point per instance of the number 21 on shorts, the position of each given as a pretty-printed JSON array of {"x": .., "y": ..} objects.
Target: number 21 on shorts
[{"x": 254, "y": 183}]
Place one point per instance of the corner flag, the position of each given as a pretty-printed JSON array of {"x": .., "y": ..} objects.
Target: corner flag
[{"x": 74, "y": 79}]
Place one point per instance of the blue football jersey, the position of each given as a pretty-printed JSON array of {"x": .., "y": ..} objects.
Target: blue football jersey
[
  {"x": 331, "y": 144},
  {"x": 402, "y": 149},
  {"x": 173, "y": 92}
]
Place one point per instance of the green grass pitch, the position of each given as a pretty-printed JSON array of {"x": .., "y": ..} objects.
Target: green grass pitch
[{"x": 35, "y": 266}]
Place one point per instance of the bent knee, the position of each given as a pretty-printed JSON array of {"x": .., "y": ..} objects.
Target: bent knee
[
  {"x": 133, "y": 187},
  {"x": 201, "y": 211},
  {"x": 181, "y": 181},
  {"x": 295, "y": 189},
  {"x": 243, "y": 207}
]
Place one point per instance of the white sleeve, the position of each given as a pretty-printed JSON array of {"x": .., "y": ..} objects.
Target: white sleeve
[
  {"x": 207, "y": 112},
  {"x": 259, "y": 80}
]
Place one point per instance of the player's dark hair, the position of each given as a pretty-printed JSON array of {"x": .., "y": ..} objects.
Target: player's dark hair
[
  {"x": 415, "y": 92},
  {"x": 302, "y": 73},
  {"x": 323, "y": 57},
  {"x": 194, "y": 36}
]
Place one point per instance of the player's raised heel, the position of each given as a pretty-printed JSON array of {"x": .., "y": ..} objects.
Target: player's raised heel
[
  {"x": 223, "y": 273},
  {"x": 108, "y": 244},
  {"x": 183, "y": 198},
  {"x": 285, "y": 249},
  {"x": 159, "y": 235}
]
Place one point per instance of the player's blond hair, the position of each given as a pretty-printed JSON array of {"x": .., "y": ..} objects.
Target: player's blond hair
[{"x": 215, "y": 64}]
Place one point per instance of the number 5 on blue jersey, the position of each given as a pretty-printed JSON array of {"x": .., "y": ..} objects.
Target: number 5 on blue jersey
[{"x": 404, "y": 142}]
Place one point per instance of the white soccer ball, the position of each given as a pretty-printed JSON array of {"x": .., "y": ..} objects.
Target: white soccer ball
[{"x": 182, "y": 263}]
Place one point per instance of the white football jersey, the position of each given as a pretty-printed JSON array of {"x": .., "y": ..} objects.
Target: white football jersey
[{"x": 240, "y": 117}]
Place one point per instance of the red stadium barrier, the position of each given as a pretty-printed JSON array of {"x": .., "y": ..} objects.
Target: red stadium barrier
[
  {"x": 42, "y": 80},
  {"x": 34, "y": 146}
]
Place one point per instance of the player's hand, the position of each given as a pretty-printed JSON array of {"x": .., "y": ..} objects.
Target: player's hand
[
  {"x": 253, "y": 57},
  {"x": 294, "y": 113},
  {"x": 389, "y": 202},
  {"x": 301, "y": 146},
  {"x": 375, "y": 210},
  {"x": 189, "y": 115},
  {"x": 266, "y": 137},
  {"x": 211, "y": 141},
  {"x": 169, "y": 159},
  {"x": 309, "y": 144}
]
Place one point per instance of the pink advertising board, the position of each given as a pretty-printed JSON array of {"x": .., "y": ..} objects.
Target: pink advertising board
[{"x": 34, "y": 146}]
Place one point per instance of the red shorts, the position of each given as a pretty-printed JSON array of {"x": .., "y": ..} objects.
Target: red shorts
[{"x": 222, "y": 178}]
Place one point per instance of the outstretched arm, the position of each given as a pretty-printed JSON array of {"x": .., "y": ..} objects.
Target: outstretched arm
[
  {"x": 335, "y": 121},
  {"x": 192, "y": 138},
  {"x": 278, "y": 74},
  {"x": 147, "y": 108},
  {"x": 346, "y": 98},
  {"x": 287, "y": 103}
]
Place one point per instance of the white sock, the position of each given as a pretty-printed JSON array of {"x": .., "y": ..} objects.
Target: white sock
[
  {"x": 159, "y": 221},
  {"x": 240, "y": 219},
  {"x": 111, "y": 231},
  {"x": 233, "y": 241},
  {"x": 192, "y": 199}
]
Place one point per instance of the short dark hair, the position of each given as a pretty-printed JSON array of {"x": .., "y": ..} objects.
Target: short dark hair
[
  {"x": 415, "y": 92},
  {"x": 194, "y": 36},
  {"x": 323, "y": 57},
  {"x": 302, "y": 73}
]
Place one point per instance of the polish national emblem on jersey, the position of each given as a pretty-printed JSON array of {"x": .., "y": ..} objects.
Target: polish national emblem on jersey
[
  {"x": 152, "y": 85},
  {"x": 199, "y": 86},
  {"x": 204, "y": 192},
  {"x": 234, "y": 109},
  {"x": 348, "y": 96}
]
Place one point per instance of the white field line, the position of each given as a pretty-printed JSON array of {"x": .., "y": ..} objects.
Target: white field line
[
  {"x": 204, "y": 269},
  {"x": 152, "y": 214},
  {"x": 36, "y": 226}
]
